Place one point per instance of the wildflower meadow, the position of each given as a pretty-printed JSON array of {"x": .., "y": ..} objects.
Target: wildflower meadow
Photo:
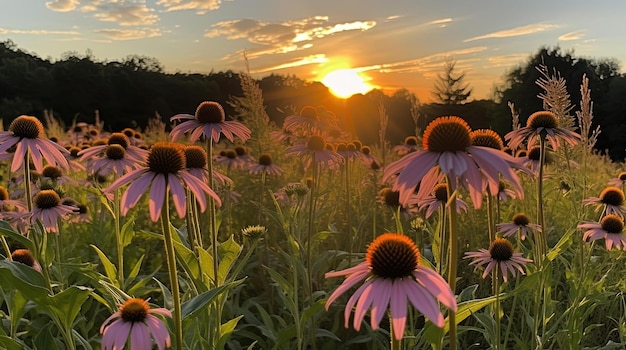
[{"x": 215, "y": 231}]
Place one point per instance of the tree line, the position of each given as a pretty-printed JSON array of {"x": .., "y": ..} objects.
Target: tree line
[{"x": 131, "y": 91}]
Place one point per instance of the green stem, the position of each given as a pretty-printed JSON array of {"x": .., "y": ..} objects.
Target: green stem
[
  {"x": 453, "y": 258},
  {"x": 213, "y": 232},
  {"x": 309, "y": 238},
  {"x": 395, "y": 343},
  {"x": 173, "y": 272},
  {"x": 6, "y": 248},
  {"x": 497, "y": 306},
  {"x": 118, "y": 237},
  {"x": 348, "y": 212}
]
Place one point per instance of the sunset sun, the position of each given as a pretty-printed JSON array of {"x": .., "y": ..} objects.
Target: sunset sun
[{"x": 344, "y": 83}]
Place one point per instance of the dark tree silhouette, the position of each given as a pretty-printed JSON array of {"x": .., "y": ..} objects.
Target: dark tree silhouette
[{"x": 450, "y": 87}]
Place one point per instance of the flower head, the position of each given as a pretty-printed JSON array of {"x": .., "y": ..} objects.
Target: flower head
[
  {"x": 410, "y": 145},
  {"x": 209, "y": 121},
  {"x": 27, "y": 134},
  {"x": 48, "y": 208},
  {"x": 611, "y": 200},
  {"x": 500, "y": 255},
  {"x": 438, "y": 199},
  {"x": 521, "y": 223},
  {"x": 165, "y": 172},
  {"x": 314, "y": 151},
  {"x": 137, "y": 321},
  {"x": 620, "y": 180},
  {"x": 393, "y": 277},
  {"x": 24, "y": 256},
  {"x": 266, "y": 166},
  {"x": 542, "y": 124},
  {"x": 309, "y": 121},
  {"x": 610, "y": 228},
  {"x": 448, "y": 149}
]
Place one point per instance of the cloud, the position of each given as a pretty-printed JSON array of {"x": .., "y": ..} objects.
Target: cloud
[
  {"x": 281, "y": 37},
  {"x": 124, "y": 13},
  {"x": 441, "y": 22},
  {"x": 62, "y": 5},
  {"x": 201, "y": 6},
  {"x": 572, "y": 35},
  {"x": 507, "y": 60},
  {"x": 301, "y": 61},
  {"x": 130, "y": 34},
  {"x": 524, "y": 30},
  {"x": 38, "y": 32},
  {"x": 428, "y": 64}
]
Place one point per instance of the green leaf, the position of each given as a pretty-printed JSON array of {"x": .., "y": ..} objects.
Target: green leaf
[
  {"x": 191, "y": 307},
  {"x": 229, "y": 252},
  {"x": 8, "y": 231},
  {"x": 10, "y": 344},
  {"x": 226, "y": 330},
  {"x": 109, "y": 268},
  {"x": 25, "y": 279},
  {"x": 135, "y": 270},
  {"x": 66, "y": 305},
  {"x": 561, "y": 245},
  {"x": 128, "y": 233},
  {"x": 311, "y": 311}
]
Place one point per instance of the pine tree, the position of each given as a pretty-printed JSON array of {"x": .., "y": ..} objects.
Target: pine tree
[{"x": 450, "y": 89}]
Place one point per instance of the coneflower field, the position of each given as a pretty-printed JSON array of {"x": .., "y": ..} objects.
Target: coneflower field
[{"x": 214, "y": 231}]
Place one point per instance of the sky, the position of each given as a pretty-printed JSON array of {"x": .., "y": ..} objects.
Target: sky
[{"x": 391, "y": 44}]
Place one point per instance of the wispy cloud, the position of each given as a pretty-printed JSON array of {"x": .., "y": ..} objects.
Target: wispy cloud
[
  {"x": 201, "y": 6},
  {"x": 440, "y": 22},
  {"x": 130, "y": 34},
  {"x": 38, "y": 32},
  {"x": 312, "y": 59},
  {"x": 122, "y": 12},
  {"x": 572, "y": 35},
  {"x": 427, "y": 64},
  {"x": 281, "y": 37},
  {"x": 507, "y": 60},
  {"x": 524, "y": 30},
  {"x": 62, "y": 5}
]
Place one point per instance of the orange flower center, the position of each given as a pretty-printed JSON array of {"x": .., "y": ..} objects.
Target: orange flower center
[
  {"x": 209, "y": 112},
  {"x": 501, "y": 249},
  {"x": 4, "y": 194},
  {"x": 308, "y": 112},
  {"x": 23, "y": 256},
  {"x": 265, "y": 159},
  {"x": 612, "y": 196},
  {"x": 542, "y": 119},
  {"x": 47, "y": 199},
  {"x": 166, "y": 158},
  {"x": 196, "y": 157},
  {"x": 316, "y": 143},
  {"x": 612, "y": 223},
  {"x": 441, "y": 192},
  {"x": 134, "y": 310},
  {"x": 119, "y": 138},
  {"x": 26, "y": 126},
  {"x": 521, "y": 219},
  {"x": 115, "y": 152},
  {"x": 487, "y": 138},
  {"x": 392, "y": 255},
  {"x": 447, "y": 134}
]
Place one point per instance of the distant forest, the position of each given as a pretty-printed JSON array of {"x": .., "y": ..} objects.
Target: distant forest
[{"x": 128, "y": 93}]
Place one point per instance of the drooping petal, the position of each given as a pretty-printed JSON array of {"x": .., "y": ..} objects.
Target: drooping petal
[
  {"x": 353, "y": 299},
  {"x": 398, "y": 306},
  {"x": 158, "y": 192},
  {"x": 140, "y": 337},
  {"x": 425, "y": 303},
  {"x": 436, "y": 285},
  {"x": 178, "y": 195},
  {"x": 379, "y": 306},
  {"x": 364, "y": 303}
]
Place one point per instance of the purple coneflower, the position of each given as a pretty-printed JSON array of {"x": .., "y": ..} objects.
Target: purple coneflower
[
  {"x": 611, "y": 200},
  {"x": 308, "y": 121},
  {"x": 500, "y": 255},
  {"x": 410, "y": 145},
  {"x": 315, "y": 151},
  {"x": 27, "y": 133},
  {"x": 539, "y": 124},
  {"x": 437, "y": 199},
  {"x": 209, "y": 121},
  {"x": 505, "y": 193},
  {"x": 7, "y": 204},
  {"x": 619, "y": 180},
  {"x": 448, "y": 148},
  {"x": 48, "y": 208},
  {"x": 114, "y": 160},
  {"x": 197, "y": 165},
  {"x": 610, "y": 228},
  {"x": 266, "y": 166},
  {"x": 24, "y": 256},
  {"x": 165, "y": 173},
  {"x": 137, "y": 321},
  {"x": 229, "y": 160},
  {"x": 393, "y": 277},
  {"x": 521, "y": 223},
  {"x": 367, "y": 156},
  {"x": 130, "y": 152}
]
